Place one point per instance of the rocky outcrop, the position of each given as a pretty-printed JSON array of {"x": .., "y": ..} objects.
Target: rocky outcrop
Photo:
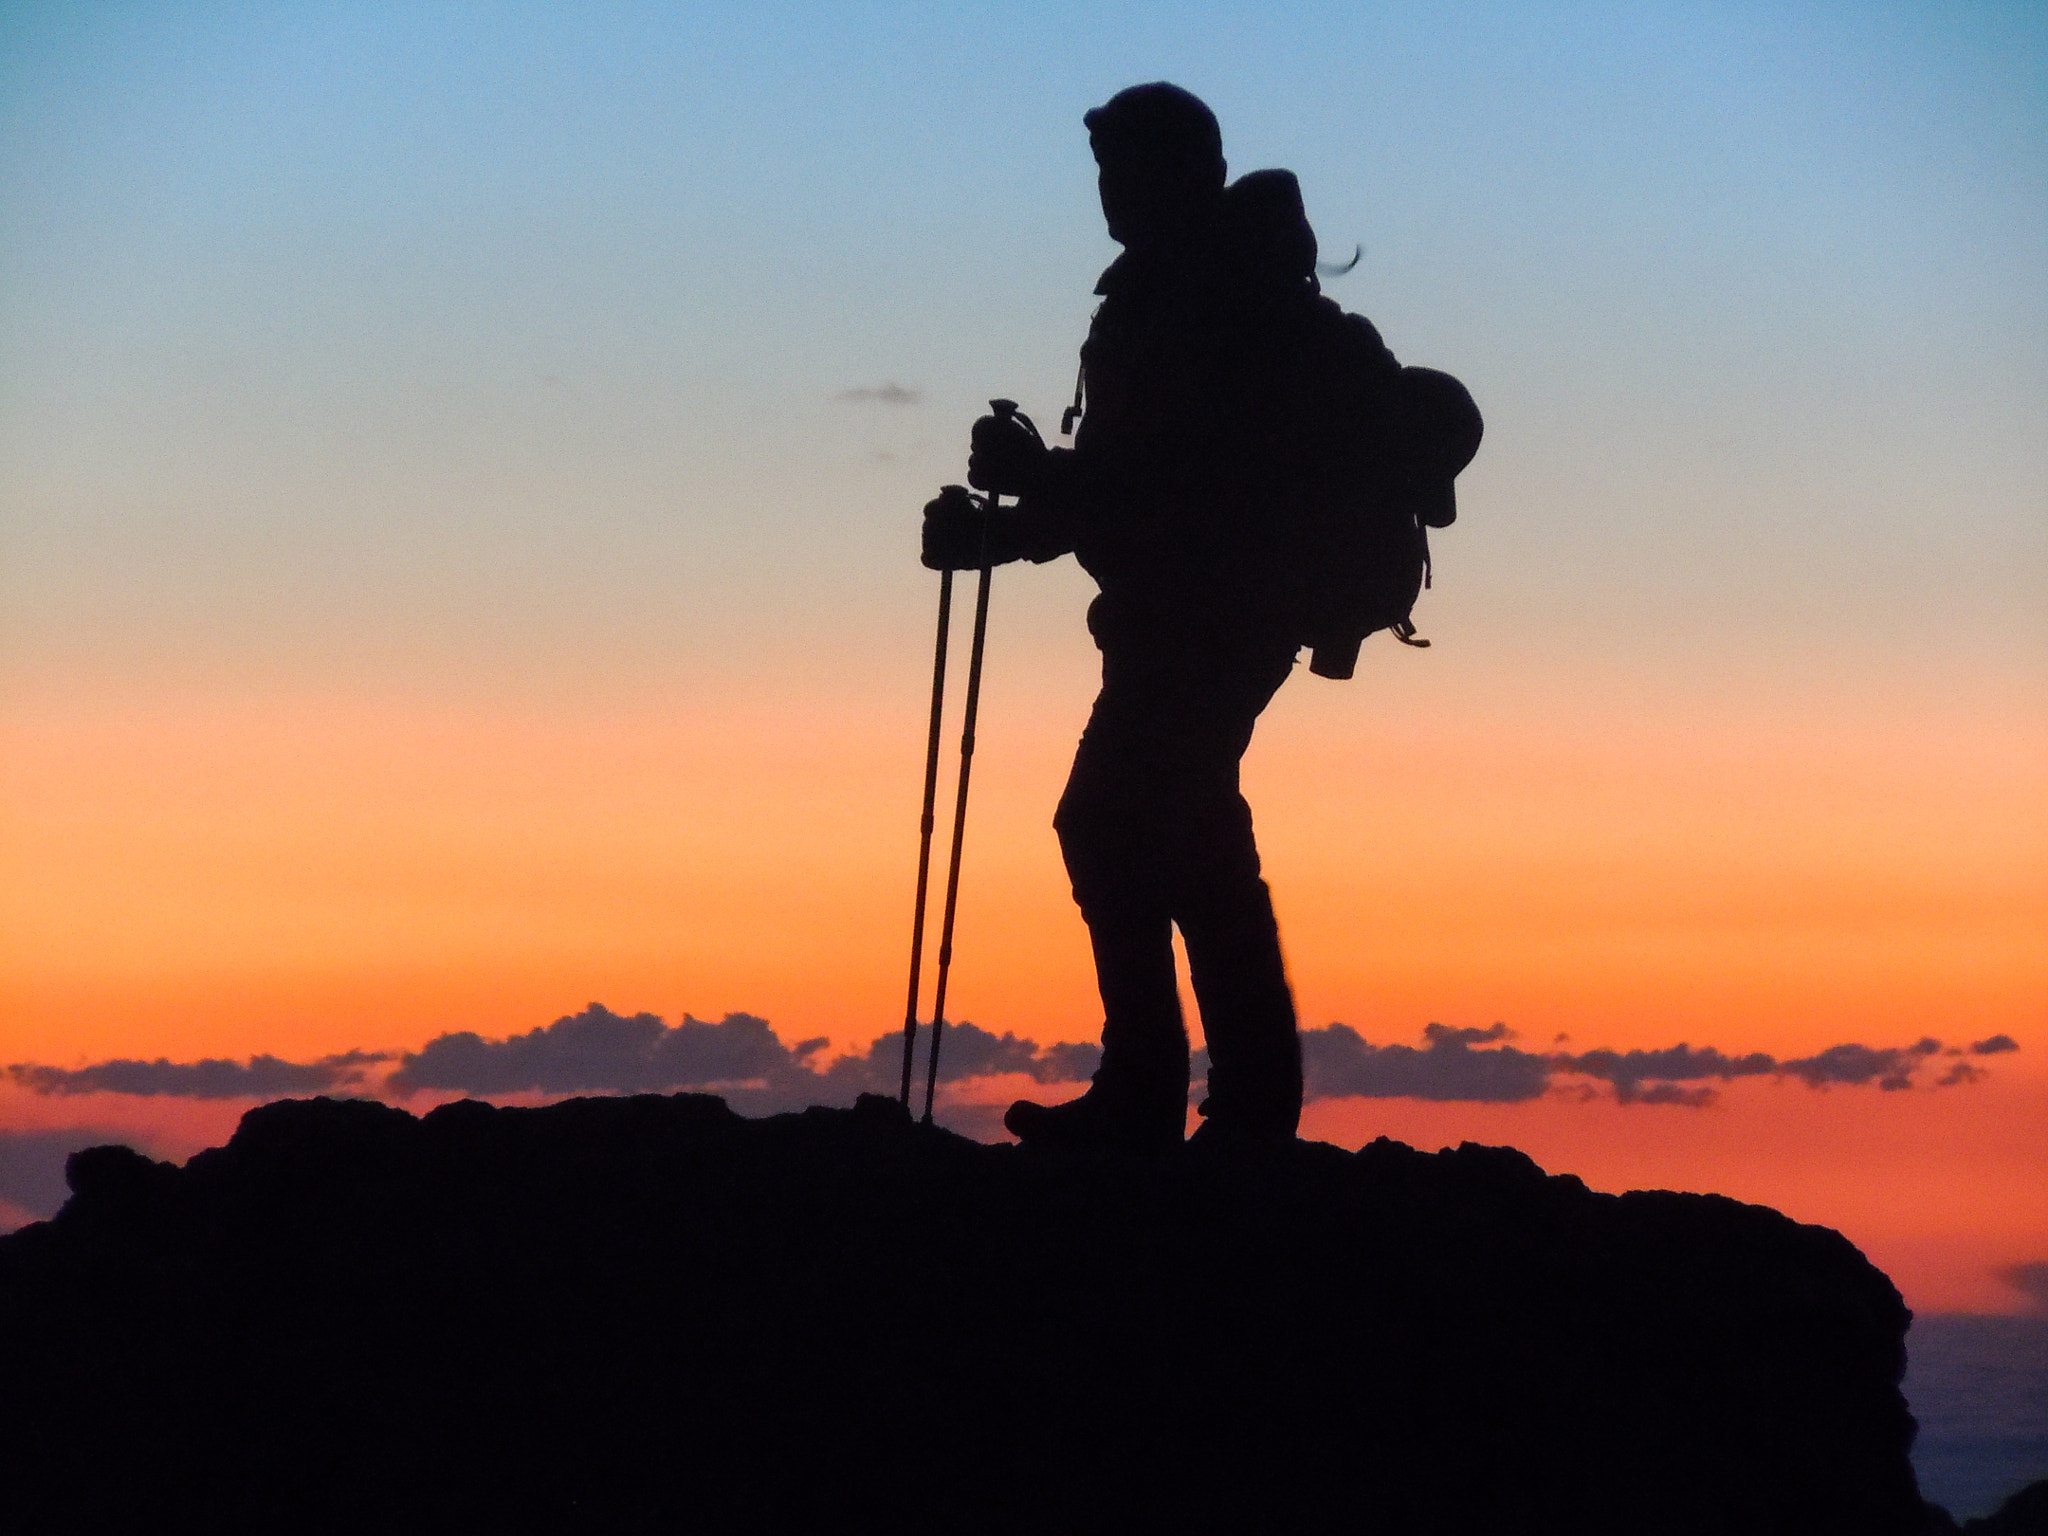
[
  {"x": 2024, "y": 1514},
  {"x": 648, "y": 1313}
]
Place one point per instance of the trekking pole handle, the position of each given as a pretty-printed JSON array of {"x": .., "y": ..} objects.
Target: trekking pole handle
[
  {"x": 1006, "y": 410},
  {"x": 1002, "y": 410},
  {"x": 1003, "y": 413}
]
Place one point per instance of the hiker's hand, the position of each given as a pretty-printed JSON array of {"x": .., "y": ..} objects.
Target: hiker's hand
[
  {"x": 1006, "y": 456},
  {"x": 960, "y": 534},
  {"x": 952, "y": 531}
]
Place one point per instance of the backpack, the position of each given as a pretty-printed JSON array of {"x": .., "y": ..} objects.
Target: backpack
[
  {"x": 1386, "y": 446},
  {"x": 1362, "y": 451}
]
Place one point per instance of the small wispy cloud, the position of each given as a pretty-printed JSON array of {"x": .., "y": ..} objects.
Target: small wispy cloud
[
  {"x": 890, "y": 393},
  {"x": 2031, "y": 1281}
]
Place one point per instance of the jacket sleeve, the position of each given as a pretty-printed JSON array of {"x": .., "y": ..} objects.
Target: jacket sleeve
[{"x": 1047, "y": 522}]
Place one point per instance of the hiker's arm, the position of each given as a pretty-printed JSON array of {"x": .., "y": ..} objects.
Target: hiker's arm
[
  {"x": 959, "y": 535},
  {"x": 1014, "y": 462}
]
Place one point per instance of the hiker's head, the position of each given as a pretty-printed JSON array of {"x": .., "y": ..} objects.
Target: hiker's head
[{"x": 1161, "y": 159}]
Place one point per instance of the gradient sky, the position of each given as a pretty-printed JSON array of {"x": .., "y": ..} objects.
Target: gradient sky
[{"x": 450, "y": 571}]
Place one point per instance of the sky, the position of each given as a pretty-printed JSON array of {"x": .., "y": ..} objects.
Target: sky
[{"x": 459, "y": 478}]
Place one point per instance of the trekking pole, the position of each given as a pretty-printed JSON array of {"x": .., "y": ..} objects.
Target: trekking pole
[
  {"x": 924, "y": 845},
  {"x": 1004, "y": 409},
  {"x": 931, "y": 1080}
]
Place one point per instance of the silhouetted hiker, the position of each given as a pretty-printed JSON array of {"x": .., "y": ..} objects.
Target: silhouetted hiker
[{"x": 1220, "y": 403}]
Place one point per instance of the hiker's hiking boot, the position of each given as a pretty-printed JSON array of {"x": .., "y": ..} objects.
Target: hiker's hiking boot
[
  {"x": 1244, "y": 1125},
  {"x": 1232, "y": 1136},
  {"x": 1097, "y": 1122}
]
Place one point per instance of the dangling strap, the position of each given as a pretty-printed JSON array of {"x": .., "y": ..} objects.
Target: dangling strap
[
  {"x": 1403, "y": 629},
  {"x": 1072, "y": 413}
]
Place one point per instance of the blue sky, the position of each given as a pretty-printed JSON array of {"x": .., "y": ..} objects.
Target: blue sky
[{"x": 436, "y": 332}]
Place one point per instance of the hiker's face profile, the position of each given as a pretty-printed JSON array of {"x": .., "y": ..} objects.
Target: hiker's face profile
[
  {"x": 1114, "y": 181},
  {"x": 1144, "y": 201}
]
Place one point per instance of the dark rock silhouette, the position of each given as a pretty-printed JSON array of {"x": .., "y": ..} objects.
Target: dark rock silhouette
[
  {"x": 2024, "y": 1514},
  {"x": 639, "y": 1313}
]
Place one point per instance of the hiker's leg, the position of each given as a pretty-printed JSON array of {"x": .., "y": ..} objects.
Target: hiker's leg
[
  {"x": 1223, "y": 906},
  {"x": 1111, "y": 832},
  {"x": 1109, "y": 825},
  {"x": 1240, "y": 982}
]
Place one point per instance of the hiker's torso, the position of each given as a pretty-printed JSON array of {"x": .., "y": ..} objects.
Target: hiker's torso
[{"x": 1210, "y": 407}]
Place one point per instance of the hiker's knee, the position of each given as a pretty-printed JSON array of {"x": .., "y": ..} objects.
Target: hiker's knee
[
  {"x": 1111, "y": 864},
  {"x": 1208, "y": 852}
]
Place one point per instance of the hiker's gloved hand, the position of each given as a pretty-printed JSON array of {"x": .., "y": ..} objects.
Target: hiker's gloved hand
[
  {"x": 954, "y": 533},
  {"x": 1007, "y": 456}
]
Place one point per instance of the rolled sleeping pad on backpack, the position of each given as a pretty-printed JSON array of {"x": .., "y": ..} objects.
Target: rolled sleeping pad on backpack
[
  {"x": 1441, "y": 426},
  {"x": 1436, "y": 432}
]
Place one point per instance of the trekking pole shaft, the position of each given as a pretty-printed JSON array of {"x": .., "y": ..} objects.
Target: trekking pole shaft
[
  {"x": 924, "y": 844},
  {"x": 968, "y": 713}
]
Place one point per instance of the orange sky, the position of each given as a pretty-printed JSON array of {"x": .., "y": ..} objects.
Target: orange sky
[
  {"x": 193, "y": 876},
  {"x": 221, "y": 877}
]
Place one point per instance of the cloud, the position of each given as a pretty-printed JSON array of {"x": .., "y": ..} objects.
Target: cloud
[
  {"x": 1671, "y": 1093},
  {"x": 598, "y": 1051},
  {"x": 32, "y": 1165},
  {"x": 2031, "y": 1281},
  {"x": 1651, "y": 1077},
  {"x": 1890, "y": 1068},
  {"x": 1339, "y": 1063},
  {"x": 1995, "y": 1046},
  {"x": 742, "y": 1058},
  {"x": 260, "y": 1077},
  {"x": 967, "y": 1052},
  {"x": 890, "y": 393},
  {"x": 1629, "y": 1071}
]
